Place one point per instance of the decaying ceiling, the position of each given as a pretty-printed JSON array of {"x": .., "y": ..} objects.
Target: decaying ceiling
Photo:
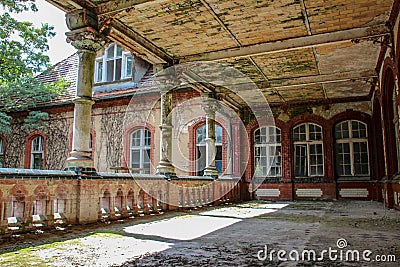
[{"x": 293, "y": 50}]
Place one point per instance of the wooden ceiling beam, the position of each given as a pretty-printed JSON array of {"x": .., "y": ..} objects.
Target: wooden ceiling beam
[
  {"x": 320, "y": 79},
  {"x": 139, "y": 45},
  {"x": 116, "y": 6},
  {"x": 291, "y": 44}
]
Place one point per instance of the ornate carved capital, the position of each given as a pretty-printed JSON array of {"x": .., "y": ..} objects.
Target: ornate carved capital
[
  {"x": 81, "y": 18},
  {"x": 210, "y": 104},
  {"x": 86, "y": 39}
]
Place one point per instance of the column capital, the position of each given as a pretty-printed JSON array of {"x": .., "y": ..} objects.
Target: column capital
[
  {"x": 210, "y": 104},
  {"x": 86, "y": 39}
]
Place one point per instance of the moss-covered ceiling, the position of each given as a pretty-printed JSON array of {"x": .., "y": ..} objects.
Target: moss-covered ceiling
[{"x": 294, "y": 50}]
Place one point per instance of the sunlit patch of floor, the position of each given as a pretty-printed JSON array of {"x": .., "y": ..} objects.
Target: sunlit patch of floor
[
  {"x": 97, "y": 250},
  {"x": 189, "y": 227},
  {"x": 245, "y": 211},
  {"x": 186, "y": 227}
]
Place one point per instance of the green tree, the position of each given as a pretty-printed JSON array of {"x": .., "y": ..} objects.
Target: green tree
[{"x": 22, "y": 56}]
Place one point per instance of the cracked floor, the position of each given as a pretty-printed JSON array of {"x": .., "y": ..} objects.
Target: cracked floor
[{"x": 245, "y": 234}]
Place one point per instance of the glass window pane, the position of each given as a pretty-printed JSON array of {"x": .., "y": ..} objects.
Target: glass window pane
[
  {"x": 218, "y": 166},
  {"x": 218, "y": 134},
  {"x": 361, "y": 163},
  {"x": 99, "y": 74},
  {"x": 129, "y": 65},
  {"x": 345, "y": 129},
  {"x": 37, "y": 161},
  {"x": 110, "y": 71},
  {"x": 118, "y": 69},
  {"x": 146, "y": 156},
  {"x": 135, "y": 138},
  {"x": 339, "y": 159},
  {"x": 201, "y": 134},
  {"x": 218, "y": 155},
  {"x": 315, "y": 132},
  {"x": 135, "y": 156},
  {"x": 110, "y": 52},
  {"x": 147, "y": 140},
  {"x": 257, "y": 136},
  {"x": 301, "y": 160},
  {"x": 338, "y": 131},
  {"x": 299, "y": 133},
  {"x": 355, "y": 129},
  {"x": 119, "y": 51}
]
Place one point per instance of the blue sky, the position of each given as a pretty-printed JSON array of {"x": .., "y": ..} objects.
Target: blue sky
[{"x": 59, "y": 49}]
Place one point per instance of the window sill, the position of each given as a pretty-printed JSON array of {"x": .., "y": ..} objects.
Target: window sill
[
  {"x": 128, "y": 79},
  {"x": 353, "y": 178}
]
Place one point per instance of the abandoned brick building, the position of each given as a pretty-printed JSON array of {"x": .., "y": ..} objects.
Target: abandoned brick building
[{"x": 329, "y": 128}]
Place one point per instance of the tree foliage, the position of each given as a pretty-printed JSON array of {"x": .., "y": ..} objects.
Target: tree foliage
[{"x": 22, "y": 56}]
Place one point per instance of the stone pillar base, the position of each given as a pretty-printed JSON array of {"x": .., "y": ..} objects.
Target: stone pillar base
[
  {"x": 211, "y": 172},
  {"x": 166, "y": 168},
  {"x": 80, "y": 159}
]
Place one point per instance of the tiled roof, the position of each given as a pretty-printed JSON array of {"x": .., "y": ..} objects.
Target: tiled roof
[{"x": 68, "y": 68}]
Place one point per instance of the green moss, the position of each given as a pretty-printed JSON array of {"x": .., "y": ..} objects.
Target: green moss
[{"x": 28, "y": 256}]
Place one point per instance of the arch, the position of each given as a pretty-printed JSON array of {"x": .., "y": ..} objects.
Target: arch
[
  {"x": 41, "y": 202},
  {"x": 18, "y": 202},
  {"x": 388, "y": 114},
  {"x": 130, "y": 200},
  {"x": 351, "y": 115},
  {"x": 119, "y": 200},
  {"x": 127, "y": 142},
  {"x": 251, "y": 127},
  {"x": 28, "y": 149},
  {"x": 308, "y": 144},
  {"x": 18, "y": 189},
  {"x": 60, "y": 199}
]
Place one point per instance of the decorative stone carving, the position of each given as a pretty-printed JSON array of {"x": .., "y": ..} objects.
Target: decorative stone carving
[
  {"x": 86, "y": 39},
  {"x": 81, "y": 18}
]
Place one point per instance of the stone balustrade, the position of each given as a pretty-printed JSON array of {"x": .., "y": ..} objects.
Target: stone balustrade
[{"x": 31, "y": 199}]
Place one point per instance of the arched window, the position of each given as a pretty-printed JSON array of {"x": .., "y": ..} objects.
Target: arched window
[
  {"x": 2, "y": 149},
  {"x": 308, "y": 150},
  {"x": 267, "y": 152},
  {"x": 140, "y": 143},
  {"x": 351, "y": 148},
  {"x": 114, "y": 65},
  {"x": 37, "y": 153},
  {"x": 201, "y": 149}
]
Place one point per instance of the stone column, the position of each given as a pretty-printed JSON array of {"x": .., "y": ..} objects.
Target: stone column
[
  {"x": 84, "y": 37},
  {"x": 166, "y": 82},
  {"x": 210, "y": 108}
]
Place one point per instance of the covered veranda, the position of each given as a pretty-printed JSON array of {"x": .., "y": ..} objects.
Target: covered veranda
[{"x": 339, "y": 59}]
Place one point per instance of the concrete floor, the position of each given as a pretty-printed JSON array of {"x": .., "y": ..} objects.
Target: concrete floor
[{"x": 248, "y": 234}]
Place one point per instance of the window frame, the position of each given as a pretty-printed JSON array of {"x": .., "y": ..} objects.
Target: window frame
[
  {"x": 268, "y": 144},
  {"x": 351, "y": 141},
  {"x": 308, "y": 143},
  {"x": 101, "y": 65},
  {"x": 142, "y": 148},
  {"x": 218, "y": 142},
  {"x": 33, "y": 151}
]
